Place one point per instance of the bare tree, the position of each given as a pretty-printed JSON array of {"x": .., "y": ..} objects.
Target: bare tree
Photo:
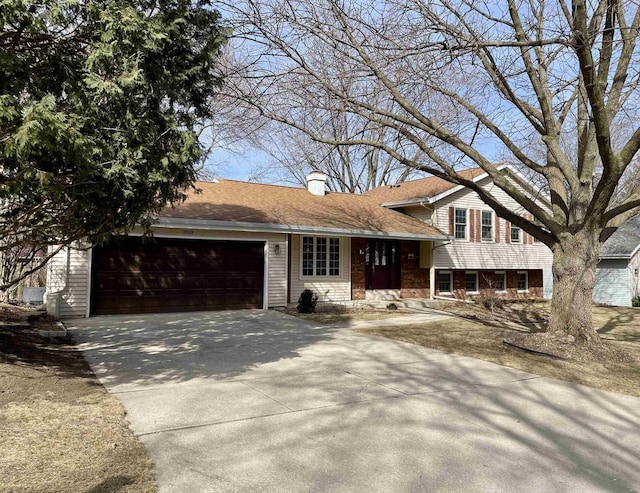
[
  {"x": 353, "y": 169},
  {"x": 550, "y": 86}
]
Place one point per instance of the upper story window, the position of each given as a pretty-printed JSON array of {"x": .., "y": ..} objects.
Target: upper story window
[
  {"x": 537, "y": 222},
  {"x": 460, "y": 224},
  {"x": 487, "y": 225},
  {"x": 320, "y": 256},
  {"x": 516, "y": 234}
]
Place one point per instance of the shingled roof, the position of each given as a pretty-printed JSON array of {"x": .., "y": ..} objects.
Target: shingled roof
[
  {"x": 624, "y": 242},
  {"x": 296, "y": 208},
  {"x": 419, "y": 189}
]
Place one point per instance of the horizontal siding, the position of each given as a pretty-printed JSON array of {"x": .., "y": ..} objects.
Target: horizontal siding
[
  {"x": 277, "y": 270},
  {"x": 612, "y": 283},
  {"x": 424, "y": 214},
  {"x": 461, "y": 254},
  {"x": 75, "y": 296},
  {"x": 68, "y": 276},
  {"x": 327, "y": 289},
  {"x": 634, "y": 266}
]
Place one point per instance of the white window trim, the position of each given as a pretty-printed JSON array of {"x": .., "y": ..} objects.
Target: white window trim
[
  {"x": 476, "y": 290},
  {"x": 315, "y": 250},
  {"x": 450, "y": 274},
  {"x": 526, "y": 277},
  {"x": 466, "y": 226},
  {"x": 504, "y": 278},
  {"x": 537, "y": 222},
  {"x": 493, "y": 227},
  {"x": 519, "y": 242}
]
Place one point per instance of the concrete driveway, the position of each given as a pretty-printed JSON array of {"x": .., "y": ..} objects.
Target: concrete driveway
[{"x": 260, "y": 401}]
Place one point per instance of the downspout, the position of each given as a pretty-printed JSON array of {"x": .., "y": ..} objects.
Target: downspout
[{"x": 432, "y": 270}]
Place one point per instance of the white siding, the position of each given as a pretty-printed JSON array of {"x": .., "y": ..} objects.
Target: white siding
[
  {"x": 419, "y": 212},
  {"x": 464, "y": 254},
  {"x": 612, "y": 283},
  {"x": 69, "y": 272},
  {"x": 327, "y": 288},
  {"x": 634, "y": 265},
  {"x": 547, "y": 283},
  {"x": 68, "y": 275}
]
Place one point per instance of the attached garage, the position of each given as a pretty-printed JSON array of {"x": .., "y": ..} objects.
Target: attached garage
[{"x": 158, "y": 275}]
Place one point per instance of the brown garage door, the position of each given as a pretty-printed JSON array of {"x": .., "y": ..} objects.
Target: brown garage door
[{"x": 175, "y": 275}]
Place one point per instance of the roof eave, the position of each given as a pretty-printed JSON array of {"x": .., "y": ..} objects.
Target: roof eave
[
  {"x": 409, "y": 202},
  {"x": 440, "y": 196},
  {"x": 452, "y": 190},
  {"x": 254, "y": 227}
]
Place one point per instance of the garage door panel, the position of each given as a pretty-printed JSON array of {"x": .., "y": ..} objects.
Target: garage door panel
[{"x": 171, "y": 275}]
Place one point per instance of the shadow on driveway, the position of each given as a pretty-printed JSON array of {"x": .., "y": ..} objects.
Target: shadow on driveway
[
  {"x": 173, "y": 348},
  {"x": 273, "y": 403}
]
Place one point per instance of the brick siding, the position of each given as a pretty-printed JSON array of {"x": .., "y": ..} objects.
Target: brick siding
[
  {"x": 414, "y": 281},
  {"x": 486, "y": 280}
]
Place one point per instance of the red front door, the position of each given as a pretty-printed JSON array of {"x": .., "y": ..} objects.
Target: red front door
[{"x": 382, "y": 264}]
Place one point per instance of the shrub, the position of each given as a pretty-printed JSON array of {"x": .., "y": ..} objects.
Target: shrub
[
  {"x": 635, "y": 301},
  {"x": 392, "y": 306},
  {"x": 491, "y": 302},
  {"x": 307, "y": 301}
]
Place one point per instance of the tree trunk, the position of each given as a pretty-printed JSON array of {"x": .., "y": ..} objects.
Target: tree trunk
[{"x": 574, "y": 274}]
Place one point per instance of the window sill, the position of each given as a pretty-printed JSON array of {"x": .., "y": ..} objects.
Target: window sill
[
  {"x": 523, "y": 291},
  {"x": 321, "y": 278}
]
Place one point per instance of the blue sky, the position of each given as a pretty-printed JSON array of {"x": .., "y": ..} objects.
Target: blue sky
[{"x": 235, "y": 165}]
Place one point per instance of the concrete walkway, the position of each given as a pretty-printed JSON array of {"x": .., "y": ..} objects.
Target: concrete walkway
[{"x": 260, "y": 401}]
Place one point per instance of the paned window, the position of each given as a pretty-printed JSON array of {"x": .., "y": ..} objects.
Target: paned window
[
  {"x": 307, "y": 256},
  {"x": 537, "y": 222},
  {"x": 487, "y": 225},
  {"x": 320, "y": 256},
  {"x": 334, "y": 257},
  {"x": 500, "y": 281},
  {"x": 444, "y": 282},
  {"x": 460, "y": 223},
  {"x": 516, "y": 234},
  {"x": 523, "y": 281},
  {"x": 471, "y": 282}
]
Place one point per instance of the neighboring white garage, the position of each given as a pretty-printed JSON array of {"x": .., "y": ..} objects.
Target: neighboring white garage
[
  {"x": 617, "y": 275},
  {"x": 612, "y": 283}
]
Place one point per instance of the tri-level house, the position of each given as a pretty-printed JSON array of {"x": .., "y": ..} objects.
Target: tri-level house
[{"x": 246, "y": 245}]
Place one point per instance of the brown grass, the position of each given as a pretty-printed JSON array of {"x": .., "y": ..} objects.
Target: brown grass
[
  {"x": 482, "y": 337},
  {"x": 59, "y": 429}
]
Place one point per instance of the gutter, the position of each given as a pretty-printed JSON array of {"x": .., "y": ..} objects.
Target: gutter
[
  {"x": 253, "y": 227},
  {"x": 615, "y": 257}
]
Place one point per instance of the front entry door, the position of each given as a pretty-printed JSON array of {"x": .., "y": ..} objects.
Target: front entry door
[{"x": 382, "y": 264}]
